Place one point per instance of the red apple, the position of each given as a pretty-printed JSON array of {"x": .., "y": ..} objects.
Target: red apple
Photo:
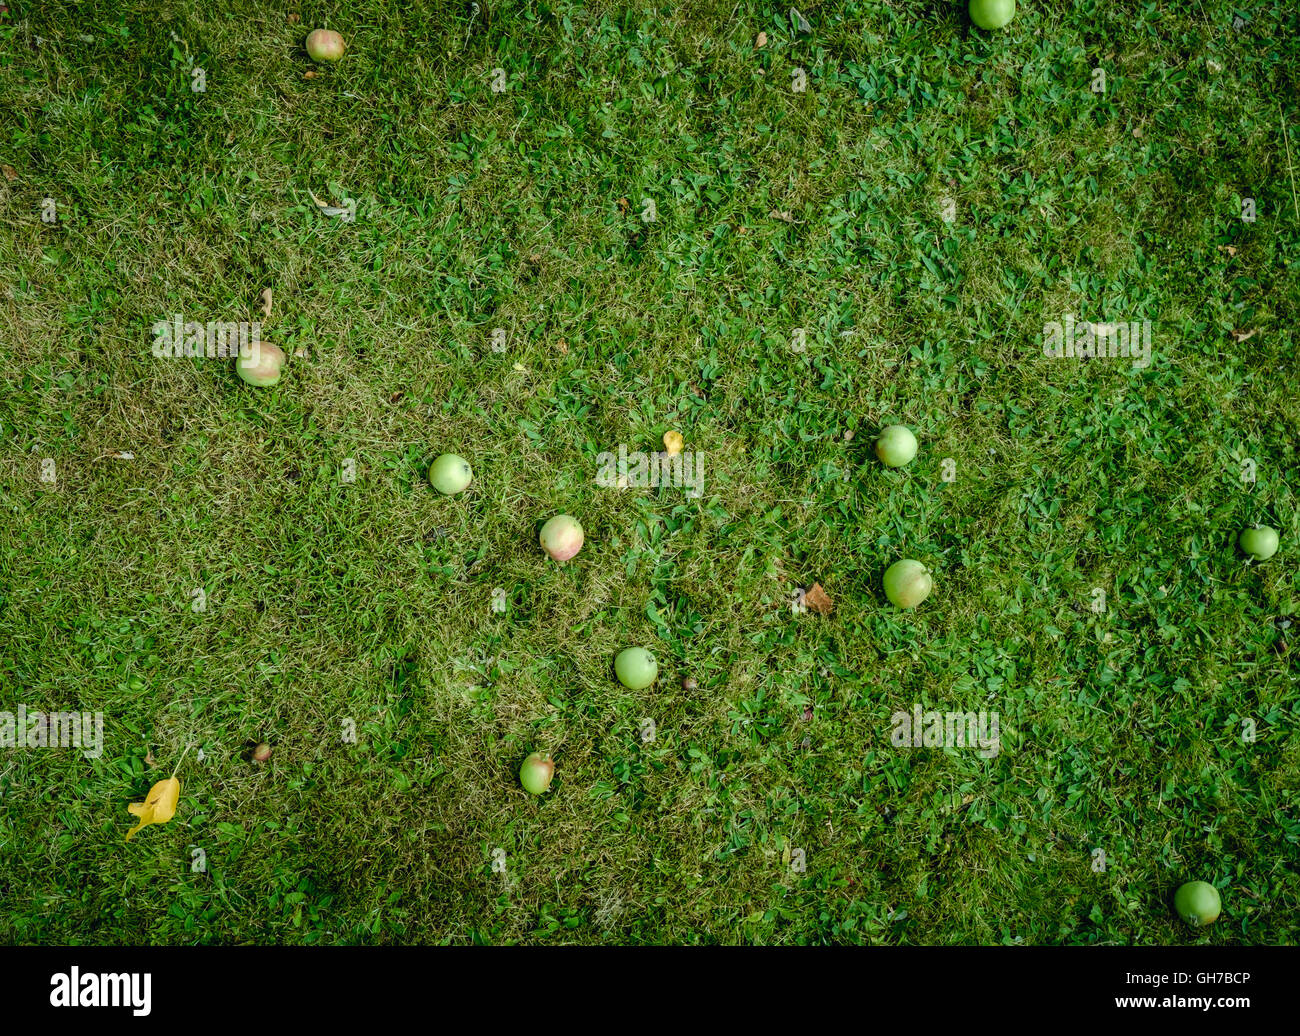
[
  {"x": 325, "y": 45},
  {"x": 562, "y": 537}
]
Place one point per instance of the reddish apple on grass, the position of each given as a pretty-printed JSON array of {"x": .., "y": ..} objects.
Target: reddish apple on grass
[
  {"x": 325, "y": 45},
  {"x": 561, "y": 537},
  {"x": 536, "y": 773},
  {"x": 261, "y": 365}
]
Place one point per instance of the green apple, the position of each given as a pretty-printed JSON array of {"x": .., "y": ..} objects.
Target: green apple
[
  {"x": 450, "y": 473},
  {"x": 1197, "y": 903},
  {"x": 992, "y": 14},
  {"x": 907, "y": 583},
  {"x": 536, "y": 773},
  {"x": 636, "y": 668},
  {"x": 896, "y": 445},
  {"x": 1259, "y": 541},
  {"x": 261, "y": 365}
]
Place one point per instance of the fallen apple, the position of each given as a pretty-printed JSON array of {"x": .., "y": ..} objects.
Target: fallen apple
[
  {"x": 992, "y": 14},
  {"x": 262, "y": 753},
  {"x": 896, "y": 445},
  {"x": 561, "y": 537},
  {"x": 536, "y": 773},
  {"x": 907, "y": 583},
  {"x": 636, "y": 668},
  {"x": 1259, "y": 541},
  {"x": 450, "y": 474},
  {"x": 324, "y": 45},
  {"x": 1197, "y": 903},
  {"x": 261, "y": 366}
]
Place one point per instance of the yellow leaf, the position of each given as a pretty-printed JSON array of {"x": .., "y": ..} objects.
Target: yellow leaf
[
  {"x": 159, "y": 805},
  {"x": 673, "y": 443}
]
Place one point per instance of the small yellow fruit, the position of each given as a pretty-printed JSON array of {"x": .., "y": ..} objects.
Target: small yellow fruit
[{"x": 673, "y": 443}]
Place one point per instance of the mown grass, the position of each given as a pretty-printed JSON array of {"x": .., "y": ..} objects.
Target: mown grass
[{"x": 330, "y": 601}]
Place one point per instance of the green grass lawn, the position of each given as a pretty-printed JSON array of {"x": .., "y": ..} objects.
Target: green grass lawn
[{"x": 650, "y": 209}]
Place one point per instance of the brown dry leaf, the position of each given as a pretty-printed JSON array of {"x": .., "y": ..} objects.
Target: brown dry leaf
[
  {"x": 562, "y": 346},
  {"x": 761, "y": 42},
  {"x": 783, "y": 215},
  {"x": 623, "y": 204},
  {"x": 309, "y": 74},
  {"x": 301, "y": 352},
  {"x": 1230, "y": 249},
  {"x": 818, "y": 600},
  {"x": 149, "y": 759},
  {"x": 1244, "y": 336},
  {"x": 396, "y": 396},
  {"x": 265, "y": 300},
  {"x": 10, "y": 172},
  {"x": 294, "y": 19},
  {"x": 742, "y": 231}
]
